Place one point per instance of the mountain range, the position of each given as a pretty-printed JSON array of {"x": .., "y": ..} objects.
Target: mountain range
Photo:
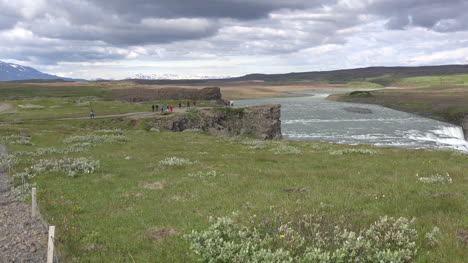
[
  {"x": 15, "y": 72},
  {"x": 380, "y": 75},
  {"x": 175, "y": 77}
]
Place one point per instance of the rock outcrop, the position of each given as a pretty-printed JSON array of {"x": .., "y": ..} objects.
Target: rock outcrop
[
  {"x": 465, "y": 126},
  {"x": 262, "y": 121}
]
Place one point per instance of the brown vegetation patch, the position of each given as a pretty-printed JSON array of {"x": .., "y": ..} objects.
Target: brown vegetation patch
[
  {"x": 182, "y": 197},
  {"x": 5, "y": 107},
  {"x": 157, "y": 234},
  {"x": 462, "y": 235},
  {"x": 443, "y": 195},
  {"x": 153, "y": 186},
  {"x": 92, "y": 247},
  {"x": 296, "y": 190},
  {"x": 132, "y": 195}
]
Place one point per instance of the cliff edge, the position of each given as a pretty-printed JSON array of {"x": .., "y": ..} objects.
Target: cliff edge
[{"x": 263, "y": 121}]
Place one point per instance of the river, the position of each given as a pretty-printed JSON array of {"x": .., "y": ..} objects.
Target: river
[{"x": 313, "y": 118}]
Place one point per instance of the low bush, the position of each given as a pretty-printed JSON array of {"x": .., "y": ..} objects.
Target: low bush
[
  {"x": 435, "y": 179},
  {"x": 94, "y": 138},
  {"x": 353, "y": 151},
  {"x": 70, "y": 166},
  {"x": 309, "y": 239},
  {"x": 175, "y": 161}
]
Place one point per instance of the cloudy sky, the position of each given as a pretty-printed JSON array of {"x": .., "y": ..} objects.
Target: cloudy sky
[{"x": 122, "y": 38}]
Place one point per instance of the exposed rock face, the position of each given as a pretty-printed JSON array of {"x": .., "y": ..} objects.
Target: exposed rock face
[
  {"x": 261, "y": 121},
  {"x": 465, "y": 126}
]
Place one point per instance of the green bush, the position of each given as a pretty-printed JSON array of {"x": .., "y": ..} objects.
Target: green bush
[{"x": 308, "y": 240}]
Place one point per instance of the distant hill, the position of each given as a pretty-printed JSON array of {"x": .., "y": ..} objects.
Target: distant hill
[
  {"x": 382, "y": 74},
  {"x": 15, "y": 72}
]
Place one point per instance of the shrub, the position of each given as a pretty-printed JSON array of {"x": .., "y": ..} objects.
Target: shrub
[
  {"x": 94, "y": 138},
  {"x": 353, "y": 151},
  {"x": 175, "y": 161},
  {"x": 286, "y": 149},
  {"x": 31, "y": 107},
  {"x": 435, "y": 179},
  {"x": 70, "y": 166},
  {"x": 209, "y": 174},
  {"x": 305, "y": 240},
  {"x": 16, "y": 139},
  {"x": 21, "y": 191}
]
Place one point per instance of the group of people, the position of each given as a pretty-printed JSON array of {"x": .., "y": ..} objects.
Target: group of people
[
  {"x": 155, "y": 107},
  {"x": 229, "y": 103}
]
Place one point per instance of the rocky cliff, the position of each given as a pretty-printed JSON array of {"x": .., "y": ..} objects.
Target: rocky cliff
[
  {"x": 263, "y": 121},
  {"x": 464, "y": 125}
]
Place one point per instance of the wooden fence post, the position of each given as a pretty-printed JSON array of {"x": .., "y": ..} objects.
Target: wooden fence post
[
  {"x": 50, "y": 246},
  {"x": 34, "y": 202}
]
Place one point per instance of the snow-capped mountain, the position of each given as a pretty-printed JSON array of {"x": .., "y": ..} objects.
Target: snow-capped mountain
[
  {"x": 176, "y": 76},
  {"x": 10, "y": 71}
]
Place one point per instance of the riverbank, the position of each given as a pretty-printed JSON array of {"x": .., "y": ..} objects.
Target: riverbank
[{"x": 448, "y": 104}]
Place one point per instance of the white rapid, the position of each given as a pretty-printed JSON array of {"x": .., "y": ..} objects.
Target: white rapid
[
  {"x": 317, "y": 119},
  {"x": 451, "y": 132}
]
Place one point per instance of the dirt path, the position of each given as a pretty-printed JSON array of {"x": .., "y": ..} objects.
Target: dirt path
[
  {"x": 22, "y": 239},
  {"x": 5, "y": 107}
]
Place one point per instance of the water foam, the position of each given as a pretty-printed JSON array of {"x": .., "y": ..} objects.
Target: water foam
[{"x": 451, "y": 132}]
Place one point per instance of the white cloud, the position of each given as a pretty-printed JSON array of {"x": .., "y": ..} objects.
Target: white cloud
[{"x": 229, "y": 37}]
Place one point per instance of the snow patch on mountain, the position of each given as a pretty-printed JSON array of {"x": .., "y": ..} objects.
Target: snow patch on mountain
[{"x": 176, "y": 76}]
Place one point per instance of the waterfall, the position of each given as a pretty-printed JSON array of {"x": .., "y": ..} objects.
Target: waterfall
[{"x": 451, "y": 132}]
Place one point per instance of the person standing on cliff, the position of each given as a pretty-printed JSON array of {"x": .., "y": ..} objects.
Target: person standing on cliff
[
  {"x": 91, "y": 114},
  {"x": 188, "y": 104},
  {"x": 152, "y": 107},
  {"x": 171, "y": 108},
  {"x": 157, "y": 107},
  {"x": 180, "y": 105}
]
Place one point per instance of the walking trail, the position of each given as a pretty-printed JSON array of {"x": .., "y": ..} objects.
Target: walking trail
[{"x": 22, "y": 239}]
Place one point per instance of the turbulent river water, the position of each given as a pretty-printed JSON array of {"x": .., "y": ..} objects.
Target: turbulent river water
[{"x": 316, "y": 119}]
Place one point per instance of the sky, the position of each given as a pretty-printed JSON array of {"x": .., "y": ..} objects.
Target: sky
[{"x": 116, "y": 39}]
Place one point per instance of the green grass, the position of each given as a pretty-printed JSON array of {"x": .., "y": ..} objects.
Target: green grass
[
  {"x": 363, "y": 85},
  {"x": 13, "y": 90},
  {"x": 52, "y": 108},
  {"x": 426, "y": 81},
  {"x": 105, "y": 217}
]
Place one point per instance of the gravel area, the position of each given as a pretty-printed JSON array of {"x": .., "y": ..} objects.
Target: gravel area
[{"x": 22, "y": 239}]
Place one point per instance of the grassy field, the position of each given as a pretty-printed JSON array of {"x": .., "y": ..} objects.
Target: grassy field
[
  {"x": 137, "y": 205},
  {"x": 54, "y": 108},
  {"x": 135, "y": 209}
]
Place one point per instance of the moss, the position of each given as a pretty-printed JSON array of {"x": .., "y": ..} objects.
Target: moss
[
  {"x": 192, "y": 114},
  {"x": 230, "y": 111}
]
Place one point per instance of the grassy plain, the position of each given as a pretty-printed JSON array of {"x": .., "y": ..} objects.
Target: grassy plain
[{"x": 134, "y": 209}]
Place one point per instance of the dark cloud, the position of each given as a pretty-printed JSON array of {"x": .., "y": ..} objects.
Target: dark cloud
[
  {"x": 423, "y": 13},
  {"x": 52, "y": 31},
  {"x": 238, "y": 9}
]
